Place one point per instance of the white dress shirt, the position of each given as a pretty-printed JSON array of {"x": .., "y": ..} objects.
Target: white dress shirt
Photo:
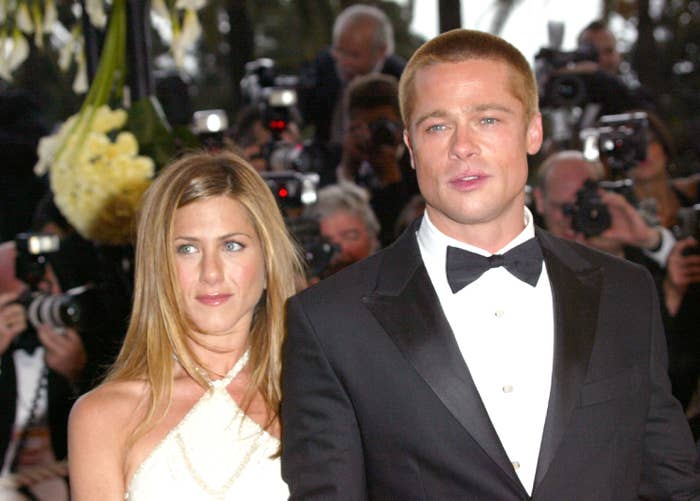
[{"x": 505, "y": 332}]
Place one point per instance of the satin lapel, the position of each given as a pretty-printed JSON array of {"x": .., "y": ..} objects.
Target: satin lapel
[
  {"x": 576, "y": 290},
  {"x": 407, "y": 307}
]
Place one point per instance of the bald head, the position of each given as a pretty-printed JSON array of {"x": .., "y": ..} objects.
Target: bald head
[{"x": 560, "y": 176}]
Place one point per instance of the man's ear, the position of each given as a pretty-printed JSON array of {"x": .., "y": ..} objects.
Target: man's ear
[
  {"x": 534, "y": 134},
  {"x": 407, "y": 142}
]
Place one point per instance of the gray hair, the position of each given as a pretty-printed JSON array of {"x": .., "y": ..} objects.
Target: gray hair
[
  {"x": 595, "y": 166},
  {"x": 348, "y": 197},
  {"x": 384, "y": 32}
]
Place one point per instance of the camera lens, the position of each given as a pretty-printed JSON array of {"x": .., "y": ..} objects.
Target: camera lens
[{"x": 61, "y": 310}]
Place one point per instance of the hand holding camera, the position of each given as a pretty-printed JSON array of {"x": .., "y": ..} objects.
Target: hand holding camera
[
  {"x": 13, "y": 320},
  {"x": 683, "y": 269},
  {"x": 65, "y": 353}
]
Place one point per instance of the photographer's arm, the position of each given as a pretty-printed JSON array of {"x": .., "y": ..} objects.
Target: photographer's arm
[
  {"x": 682, "y": 271},
  {"x": 13, "y": 320},
  {"x": 629, "y": 228}
]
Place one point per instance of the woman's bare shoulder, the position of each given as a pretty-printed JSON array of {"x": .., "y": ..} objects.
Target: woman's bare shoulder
[{"x": 112, "y": 406}]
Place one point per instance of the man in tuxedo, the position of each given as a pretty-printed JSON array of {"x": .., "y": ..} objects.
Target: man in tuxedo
[{"x": 479, "y": 357}]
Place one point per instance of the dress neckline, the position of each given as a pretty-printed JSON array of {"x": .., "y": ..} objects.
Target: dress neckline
[{"x": 230, "y": 375}]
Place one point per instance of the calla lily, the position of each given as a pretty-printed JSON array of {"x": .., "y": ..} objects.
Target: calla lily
[
  {"x": 159, "y": 8},
  {"x": 80, "y": 83},
  {"x": 190, "y": 4},
  {"x": 16, "y": 51},
  {"x": 50, "y": 15},
  {"x": 23, "y": 19},
  {"x": 96, "y": 13},
  {"x": 3, "y": 11},
  {"x": 65, "y": 53},
  {"x": 38, "y": 25},
  {"x": 191, "y": 29}
]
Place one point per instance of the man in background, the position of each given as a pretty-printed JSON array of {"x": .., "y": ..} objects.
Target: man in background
[{"x": 363, "y": 42}]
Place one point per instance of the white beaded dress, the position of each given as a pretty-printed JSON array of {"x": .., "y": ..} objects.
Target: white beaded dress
[{"x": 216, "y": 452}]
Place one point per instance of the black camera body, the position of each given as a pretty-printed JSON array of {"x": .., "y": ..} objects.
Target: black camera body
[
  {"x": 688, "y": 225},
  {"x": 621, "y": 140},
  {"x": 57, "y": 310},
  {"x": 589, "y": 215},
  {"x": 561, "y": 89},
  {"x": 318, "y": 250},
  {"x": 292, "y": 189}
]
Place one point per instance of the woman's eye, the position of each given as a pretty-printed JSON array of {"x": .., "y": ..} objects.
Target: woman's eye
[
  {"x": 233, "y": 246},
  {"x": 186, "y": 249}
]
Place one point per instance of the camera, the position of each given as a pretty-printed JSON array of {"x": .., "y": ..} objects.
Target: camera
[
  {"x": 292, "y": 189},
  {"x": 589, "y": 215},
  {"x": 621, "y": 140},
  {"x": 562, "y": 89},
  {"x": 209, "y": 127},
  {"x": 318, "y": 251},
  {"x": 56, "y": 310},
  {"x": 688, "y": 225}
]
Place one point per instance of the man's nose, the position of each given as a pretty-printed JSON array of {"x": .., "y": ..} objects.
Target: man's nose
[{"x": 463, "y": 142}]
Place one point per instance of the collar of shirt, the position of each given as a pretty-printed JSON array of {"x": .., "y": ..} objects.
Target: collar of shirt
[{"x": 433, "y": 243}]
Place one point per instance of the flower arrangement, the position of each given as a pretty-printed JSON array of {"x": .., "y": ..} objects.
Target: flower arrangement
[
  {"x": 102, "y": 159},
  {"x": 25, "y": 20},
  {"x": 98, "y": 189}
]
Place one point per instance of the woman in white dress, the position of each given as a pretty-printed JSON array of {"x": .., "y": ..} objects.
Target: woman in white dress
[{"x": 189, "y": 410}]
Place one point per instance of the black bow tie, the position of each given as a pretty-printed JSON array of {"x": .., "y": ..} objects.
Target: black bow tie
[{"x": 523, "y": 261}]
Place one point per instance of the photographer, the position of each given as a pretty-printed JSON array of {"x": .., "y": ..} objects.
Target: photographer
[
  {"x": 374, "y": 155},
  {"x": 363, "y": 43},
  {"x": 596, "y": 217},
  {"x": 50, "y": 353},
  {"x": 346, "y": 219}
]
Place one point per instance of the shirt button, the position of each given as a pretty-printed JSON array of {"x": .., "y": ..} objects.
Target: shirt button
[
  {"x": 516, "y": 465},
  {"x": 499, "y": 313},
  {"x": 507, "y": 388}
]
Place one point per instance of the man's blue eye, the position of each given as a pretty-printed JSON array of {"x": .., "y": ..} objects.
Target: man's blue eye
[{"x": 436, "y": 128}]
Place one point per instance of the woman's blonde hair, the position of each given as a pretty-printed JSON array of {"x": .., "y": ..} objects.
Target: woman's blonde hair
[{"x": 158, "y": 328}]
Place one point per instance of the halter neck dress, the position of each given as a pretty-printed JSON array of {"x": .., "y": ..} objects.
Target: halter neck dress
[{"x": 216, "y": 452}]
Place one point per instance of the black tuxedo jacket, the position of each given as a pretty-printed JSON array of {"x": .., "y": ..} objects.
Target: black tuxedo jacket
[{"x": 378, "y": 402}]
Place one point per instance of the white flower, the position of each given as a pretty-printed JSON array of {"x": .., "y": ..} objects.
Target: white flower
[
  {"x": 185, "y": 39},
  {"x": 190, "y": 4},
  {"x": 65, "y": 53},
  {"x": 96, "y": 13},
  {"x": 3, "y": 11},
  {"x": 80, "y": 83},
  {"x": 13, "y": 52},
  {"x": 38, "y": 25},
  {"x": 23, "y": 18},
  {"x": 159, "y": 8},
  {"x": 50, "y": 15}
]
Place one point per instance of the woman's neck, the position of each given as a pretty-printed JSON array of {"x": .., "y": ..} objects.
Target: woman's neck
[{"x": 217, "y": 355}]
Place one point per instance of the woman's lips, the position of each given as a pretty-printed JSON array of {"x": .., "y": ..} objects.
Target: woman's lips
[{"x": 213, "y": 299}]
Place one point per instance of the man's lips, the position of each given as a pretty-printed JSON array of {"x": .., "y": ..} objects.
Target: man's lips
[
  {"x": 213, "y": 299},
  {"x": 468, "y": 181}
]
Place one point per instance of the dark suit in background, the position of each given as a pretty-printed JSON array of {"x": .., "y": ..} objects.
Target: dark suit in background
[{"x": 320, "y": 89}]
